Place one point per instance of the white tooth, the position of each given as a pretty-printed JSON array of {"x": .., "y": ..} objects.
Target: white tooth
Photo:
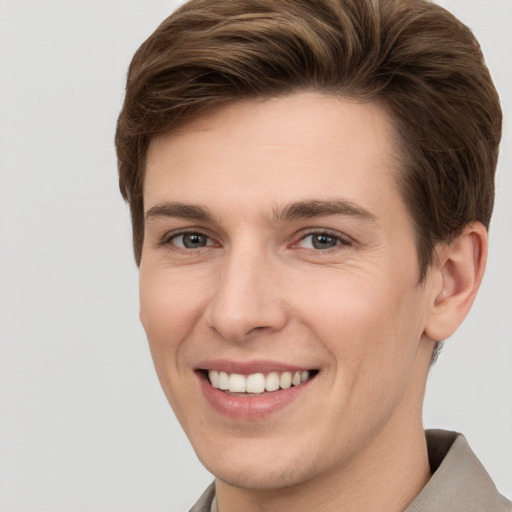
[
  {"x": 223, "y": 381},
  {"x": 285, "y": 381},
  {"x": 213, "y": 375},
  {"x": 237, "y": 383},
  {"x": 272, "y": 381},
  {"x": 296, "y": 379},
  {"x": 304, "y": 376},
  {"x": 256, "y": 383}
]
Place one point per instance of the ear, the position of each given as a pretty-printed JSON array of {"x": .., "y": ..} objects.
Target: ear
[{"x": 456, "y": 277}]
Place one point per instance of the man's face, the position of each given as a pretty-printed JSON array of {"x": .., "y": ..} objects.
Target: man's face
[{"x": 278, "y": 249}]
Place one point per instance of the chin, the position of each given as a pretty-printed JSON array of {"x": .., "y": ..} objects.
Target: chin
[
  {"x": 262, "y": 478},
  {"x": 262, "y": 470}
]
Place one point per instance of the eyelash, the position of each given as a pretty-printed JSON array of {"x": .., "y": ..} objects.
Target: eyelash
[
  {"x": 168, "y": 239},
  {"x": 341, "y": 240}
]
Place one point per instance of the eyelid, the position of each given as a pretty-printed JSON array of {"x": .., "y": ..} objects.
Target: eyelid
[
  {"x": 344, "y": 240},
  {"x": 166, "y": 239}
]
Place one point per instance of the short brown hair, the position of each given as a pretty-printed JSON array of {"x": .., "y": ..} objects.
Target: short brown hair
[{"x": 422, "y": 64}]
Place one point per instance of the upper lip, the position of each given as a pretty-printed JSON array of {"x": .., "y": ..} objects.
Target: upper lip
[{"x": 249, "y": 367}]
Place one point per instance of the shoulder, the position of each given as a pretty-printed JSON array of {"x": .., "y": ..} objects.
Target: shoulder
[
  {"x": 205, "y": 501},
  {"x": 459, "y": 481}
]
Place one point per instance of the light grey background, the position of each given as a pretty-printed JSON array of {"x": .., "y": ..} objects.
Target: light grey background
[{"x": 84, "y": 425}]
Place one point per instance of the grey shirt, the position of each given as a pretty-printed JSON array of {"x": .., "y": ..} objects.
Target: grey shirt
[{"x": 459, "y": 482}]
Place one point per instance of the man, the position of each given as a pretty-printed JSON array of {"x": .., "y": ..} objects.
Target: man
[{"x": 310, "y": 186}]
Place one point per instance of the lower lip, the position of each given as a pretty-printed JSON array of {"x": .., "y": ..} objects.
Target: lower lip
[{"x": 250, "y": 407}]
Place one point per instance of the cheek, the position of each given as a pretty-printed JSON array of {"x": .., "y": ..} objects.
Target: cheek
[
  {"x": 369, "y": 324},
  {"x": 169, "y": 310},
  {"x": 168, "y": 315},
  {"x": 169, "y": 302}
]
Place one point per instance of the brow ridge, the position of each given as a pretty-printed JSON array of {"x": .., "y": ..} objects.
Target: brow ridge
[
  {"x": 321, "y": 208},
  {"x": 180, "y": 210},
  {"x": 306, "y": 209}
]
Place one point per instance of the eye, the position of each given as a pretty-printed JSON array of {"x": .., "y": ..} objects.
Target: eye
[
  {"x": 322, "y": 241},
  {"x": 190, "y": 240}
]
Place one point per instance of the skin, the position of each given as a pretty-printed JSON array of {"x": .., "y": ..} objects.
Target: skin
[{"x": 261, "y": 287}]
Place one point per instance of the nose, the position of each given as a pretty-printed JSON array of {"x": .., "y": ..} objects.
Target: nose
[{"x": 248, "y": 297}]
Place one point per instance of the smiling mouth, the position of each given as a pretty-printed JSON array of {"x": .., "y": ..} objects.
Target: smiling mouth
[{"x": 257, "y": 383}]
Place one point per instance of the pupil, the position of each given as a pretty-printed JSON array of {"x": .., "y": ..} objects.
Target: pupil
[
  {"x": 194, "y": 240},
  {"x": 324, "y": 241}
]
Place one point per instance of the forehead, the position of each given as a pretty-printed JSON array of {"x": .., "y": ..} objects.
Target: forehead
[{"x": 271, "y": 151}]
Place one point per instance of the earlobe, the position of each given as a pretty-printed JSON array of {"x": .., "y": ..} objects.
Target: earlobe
[{"x": 459, "y": 270}]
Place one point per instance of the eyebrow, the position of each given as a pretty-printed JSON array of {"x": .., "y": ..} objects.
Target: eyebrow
[
  {"x": 315, "y": 208},
  {"x": 307, "y": 209},
  {"x": 180, "y": 210}
]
